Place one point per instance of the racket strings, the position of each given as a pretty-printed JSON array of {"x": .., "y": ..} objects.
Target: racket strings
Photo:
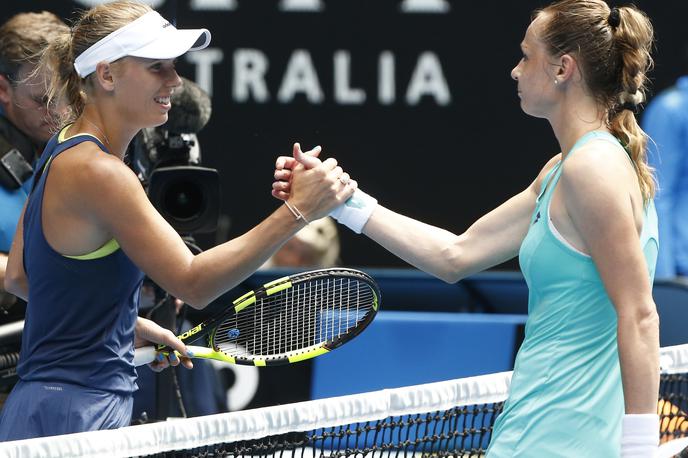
[
  {"x": 311, "y": 306},
  {"x": 305, "y": 315},
  {"x": 285, "y": 339}
]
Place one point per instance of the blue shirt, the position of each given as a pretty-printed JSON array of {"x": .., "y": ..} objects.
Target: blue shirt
[
  {"x": 666, "y": 122},
  {"x": 11, "y": 203}
]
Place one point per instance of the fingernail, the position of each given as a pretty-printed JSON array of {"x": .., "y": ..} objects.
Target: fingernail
[
  {"x": 160, "y": 357},
  {"x": 173, "y": 355},
  {"x": 189, "y": 353}
]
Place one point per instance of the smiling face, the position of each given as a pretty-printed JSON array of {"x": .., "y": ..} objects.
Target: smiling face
[
  {"x": 143, "y": 89},
  {"x": 536, "y": 73}
]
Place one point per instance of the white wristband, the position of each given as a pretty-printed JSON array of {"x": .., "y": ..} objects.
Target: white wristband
[
  {"x": 640, "y": 435},
  {"x": 354, "y": 213}
]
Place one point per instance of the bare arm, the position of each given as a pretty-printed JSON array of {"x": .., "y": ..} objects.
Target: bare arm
[
  {"x": 3, "y": 267},
  {"x": 494, "y": 238},
  {"x": 6, "y": 299},
  {"x": 104, "y": 192},
  {"x": 597, "y": 196},
  {"x": 15, "y": 276},
  {"x": 491, "y": 240}
]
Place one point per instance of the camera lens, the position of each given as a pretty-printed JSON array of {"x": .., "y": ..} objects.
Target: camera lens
[
  {"x": 188, "y": 197},
  {"x": 183, "y": 200}
]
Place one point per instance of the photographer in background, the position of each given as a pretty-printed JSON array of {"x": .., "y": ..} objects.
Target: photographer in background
[{"x": 25, "y": 123}]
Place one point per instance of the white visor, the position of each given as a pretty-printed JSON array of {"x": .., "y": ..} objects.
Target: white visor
[{"x": 150, "y": 36}]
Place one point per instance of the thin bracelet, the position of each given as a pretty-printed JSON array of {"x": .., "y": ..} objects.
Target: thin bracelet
[{"x": 295, "y": 211}]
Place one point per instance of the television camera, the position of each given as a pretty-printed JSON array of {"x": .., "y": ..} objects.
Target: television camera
[{"x": 167, "y": 160}]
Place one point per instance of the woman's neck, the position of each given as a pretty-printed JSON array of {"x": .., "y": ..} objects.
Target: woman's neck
[
  {"x": 115, "y": 138},
  {"x": 576, "y": 116}
]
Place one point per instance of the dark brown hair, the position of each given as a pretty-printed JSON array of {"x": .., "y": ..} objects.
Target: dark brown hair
[{"x": 24, "y": 37}]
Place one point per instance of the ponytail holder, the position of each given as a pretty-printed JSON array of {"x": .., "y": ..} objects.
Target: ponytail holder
[
  {"x": 631, "y": 102},
  {"x": 614, "y": 19},
  {"x": 630, "y": 106}
]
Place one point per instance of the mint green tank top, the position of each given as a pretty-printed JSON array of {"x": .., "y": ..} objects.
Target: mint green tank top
[{"x": 566, "y": 397}]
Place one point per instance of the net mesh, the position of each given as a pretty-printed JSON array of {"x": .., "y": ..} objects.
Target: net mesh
[
  {"x": 673, "y": 401},
  {"x": 451, "y": 418}
]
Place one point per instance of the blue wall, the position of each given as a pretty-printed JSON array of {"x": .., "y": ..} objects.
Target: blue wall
[{"x": 409, "y": 348}]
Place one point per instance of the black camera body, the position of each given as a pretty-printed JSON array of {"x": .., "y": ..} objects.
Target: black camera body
[
  {"x": 14, "y": 169},
  {"x": 168, "y": 164}
]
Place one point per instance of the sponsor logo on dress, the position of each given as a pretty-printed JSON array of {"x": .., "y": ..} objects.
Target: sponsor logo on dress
[{"x": 52, "y": 388}]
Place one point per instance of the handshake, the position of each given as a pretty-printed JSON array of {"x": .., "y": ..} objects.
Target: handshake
[{"x": 353, "y": 213}]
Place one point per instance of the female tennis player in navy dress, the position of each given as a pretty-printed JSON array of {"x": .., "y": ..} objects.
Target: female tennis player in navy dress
[
  {"x": 89, "y": 231},
  {"x": 585, "y": 232}
]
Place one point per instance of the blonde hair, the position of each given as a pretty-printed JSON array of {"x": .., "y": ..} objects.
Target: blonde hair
[
  {"x": 58, "y": 58},
  {"x": 316, "y": 246},
  {"x": 613, "y": 49},
  {"x": 322, "y": 237}
]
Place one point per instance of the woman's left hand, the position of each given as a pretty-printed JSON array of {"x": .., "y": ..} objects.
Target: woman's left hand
[
  {"x": 150, "y": 333},
  {"x": 284, "y": 166},
  {"x": 318, "y": 187}
]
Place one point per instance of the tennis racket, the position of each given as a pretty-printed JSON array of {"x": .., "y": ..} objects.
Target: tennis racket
[{"x": 288, "y": 320}]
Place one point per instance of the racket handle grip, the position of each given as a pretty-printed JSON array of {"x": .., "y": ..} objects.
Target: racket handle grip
[{"x": 144, "y": 355}]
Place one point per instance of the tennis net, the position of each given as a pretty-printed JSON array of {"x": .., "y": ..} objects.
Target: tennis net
[{"x": 450, "y": 418}]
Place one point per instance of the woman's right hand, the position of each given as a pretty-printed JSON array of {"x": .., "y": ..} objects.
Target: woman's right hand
[
  {"x": 284, "y": 165},
  {"x": 148, "y": 332},
  {"x": 313, "y": 186}
]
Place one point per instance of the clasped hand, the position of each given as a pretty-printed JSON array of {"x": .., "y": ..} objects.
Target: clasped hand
[{"x": 315, "y": 187}]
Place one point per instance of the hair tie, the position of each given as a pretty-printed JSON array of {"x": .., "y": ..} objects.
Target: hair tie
[
  {"x": 631, "y": 102},
  {"x": 614, "y": 19},
  {"x": 630, "y": 106}
]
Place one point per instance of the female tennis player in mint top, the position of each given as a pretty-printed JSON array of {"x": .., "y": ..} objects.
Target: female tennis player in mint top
[
  {"x": 89, "y": 232},
  {"x": 586, "y": 378}
]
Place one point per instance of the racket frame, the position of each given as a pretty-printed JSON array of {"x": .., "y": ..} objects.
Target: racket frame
[{"x": 208, "y": 327}]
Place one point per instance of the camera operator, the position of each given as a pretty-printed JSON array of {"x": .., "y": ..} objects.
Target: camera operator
[{"x": 25, "y": 124}]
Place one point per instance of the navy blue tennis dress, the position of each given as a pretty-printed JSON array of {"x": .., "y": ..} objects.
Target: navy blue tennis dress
[{"x": 76, "y": 363}]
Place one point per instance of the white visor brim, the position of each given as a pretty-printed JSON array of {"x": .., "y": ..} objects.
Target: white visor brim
[
  {"x": 173, "y": 43},
  {"x": 149, "y": 36}
]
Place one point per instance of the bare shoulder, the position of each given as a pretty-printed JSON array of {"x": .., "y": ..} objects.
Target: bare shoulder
[
  {"x": 86, "y": 174},
  {"x": 539, "y": 180},
  {"x": 598, "y": 167},
  {"x": 86, "y": 164},
  {"x": 554, "y": 160}
]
